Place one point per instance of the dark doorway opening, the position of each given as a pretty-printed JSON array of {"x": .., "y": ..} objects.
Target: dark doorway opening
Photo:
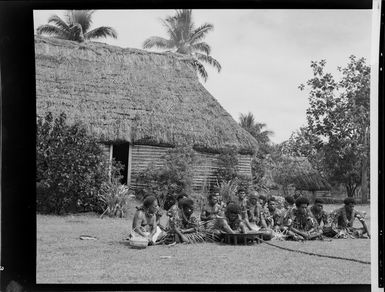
[{"x": 120, "y": 153}]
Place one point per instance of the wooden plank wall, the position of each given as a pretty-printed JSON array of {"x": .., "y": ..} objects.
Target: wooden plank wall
[
  {"x": 142, "y": 157},
  {"x": 204, "y": 170}
]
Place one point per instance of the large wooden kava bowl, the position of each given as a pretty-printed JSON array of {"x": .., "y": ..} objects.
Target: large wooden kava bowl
[{"x": 242, "y": 238}]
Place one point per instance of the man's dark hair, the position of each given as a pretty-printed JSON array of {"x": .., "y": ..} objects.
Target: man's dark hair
[
  {"x": 290, "y": 200},
  {"x": 348, "y": 201},
  {"x": 319, "y": 201},
  {"x": 271, "y": 199},
  {"x": 263, "y": 197},
  {"x": 186, "y": 202},
  {"x": 233, "y": 208},
  {"x": 169, "y": 202},
  {"x": 241, "y": 190},
  {"x": 300, "y": 201},
  {"x": 181, "y": 196},
  {"x": 148, "y": 201},
  {"x": 212, "y": 195}
]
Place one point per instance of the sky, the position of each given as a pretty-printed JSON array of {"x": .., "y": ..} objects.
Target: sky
[{"x": 265, "y": 54}]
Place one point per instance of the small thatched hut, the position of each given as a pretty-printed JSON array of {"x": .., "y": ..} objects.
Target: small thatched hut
[
  {"x": 137, "y": 103},
  {"x": 295, "y": 176},
  {"x": 311, "y": 185}
]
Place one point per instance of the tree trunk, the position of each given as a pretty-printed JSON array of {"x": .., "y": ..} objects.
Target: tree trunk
[
  {"x": 364, "y": 176},
  {"x": 364, "y": 182}
]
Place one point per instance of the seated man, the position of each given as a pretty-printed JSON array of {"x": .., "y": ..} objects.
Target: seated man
[
  {"x": 144, "y": 224},
  {"x": 301, "y": 223},
  {"x": 273, "y": 216},
  {"x": 184, "y": 225},
  {"x": 342, "y": 221},
  {"x": 288, "y": 204},
  {"x": 234, "y": 222},
  {"x": 253, "y": 211},
  {"x": 270, "y": 220},
  {"x": 242, "y": 203},
  {"x": 175, "y": 207},
  {"x": 262, "y": 201},
  {"x": 212, "y": 210},
  {"x": 319, "y": 214},
  {"x": 213, "y": 217}
]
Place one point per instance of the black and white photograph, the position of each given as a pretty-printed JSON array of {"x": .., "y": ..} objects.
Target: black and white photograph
[{"x": 204, "y": 146}]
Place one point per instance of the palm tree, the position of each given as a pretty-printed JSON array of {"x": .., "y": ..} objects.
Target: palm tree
[
  {"x": 247, "y": 122},
  {"x": 75, "y": 27},
  {"x": 185, "y": 39}
]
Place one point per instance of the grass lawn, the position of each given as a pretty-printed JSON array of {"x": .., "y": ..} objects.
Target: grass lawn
[{"x": 63, "y": 258}]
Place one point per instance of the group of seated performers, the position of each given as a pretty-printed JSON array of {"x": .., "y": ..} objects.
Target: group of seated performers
[{"x": 248, "y": 213}]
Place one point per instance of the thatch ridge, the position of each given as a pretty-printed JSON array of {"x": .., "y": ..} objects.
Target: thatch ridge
[
  {"x": 132, "y": 95},
  {"x": 311, "y": 182}
]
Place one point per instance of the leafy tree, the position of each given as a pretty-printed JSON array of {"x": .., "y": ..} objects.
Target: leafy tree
[
  {"x": 186, "y": 39},
  {"x": 75, "y": 27},
  {"x": 338, "y": 116},
  {"x": 302, "y": 143},
  {"x": 72, "y": 170}
]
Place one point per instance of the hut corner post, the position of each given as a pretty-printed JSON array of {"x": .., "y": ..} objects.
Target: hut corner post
[{"x": 130, "y": 147}]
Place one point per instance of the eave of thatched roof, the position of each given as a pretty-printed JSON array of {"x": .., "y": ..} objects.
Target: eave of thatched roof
[
  {"x": 132, "y": 95},
  {"x": 311, "y": 182}
]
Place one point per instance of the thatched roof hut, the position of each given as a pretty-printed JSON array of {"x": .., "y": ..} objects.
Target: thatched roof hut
[
  {"x": 297, "y": 172},
  {"x": 311, "y": 182},
  {"x": 135, "y": 97}
]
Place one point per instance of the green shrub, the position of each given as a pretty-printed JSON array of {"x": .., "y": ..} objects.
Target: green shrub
[
  {"x": 245, "y": 182},
  {"x": 115, "y": 197},
  {"x": 176, "y": 176},
  {"x": 227, "y": 165},
  {"x": 227, "y": 190},
  {"x": 71, "y": 168},
  {"x": 229, "y": 180}
]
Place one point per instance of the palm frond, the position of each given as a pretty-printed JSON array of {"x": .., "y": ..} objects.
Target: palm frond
[
  {"x": 101, "y": 32},
  {"x": 200, "y": 69},
  {"x": 68, "y": 16},
  {"x": 247, "y": 121},
  {"x": 172, "y": 30},
  {"x": 200, "y": 32},
  {"x": 208, "y": 59},
  {"x": 82, "y": 17},
  {"x": 259, "y": 126},
  {"x": 52, "y": 31},
  {"x": 60, "y": 23},
  {"x": 157, "y": 42},
  {"x": 76, "y": 33},
  {"x": 201, "y": 47},
  {"x": 184, "y": 23}
]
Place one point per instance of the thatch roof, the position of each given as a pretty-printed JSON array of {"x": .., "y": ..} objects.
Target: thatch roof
[
  {"x": 305, "y": 177},
  {"x": 132, "y": 95},
  {"x": 311, "y": 182}
]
